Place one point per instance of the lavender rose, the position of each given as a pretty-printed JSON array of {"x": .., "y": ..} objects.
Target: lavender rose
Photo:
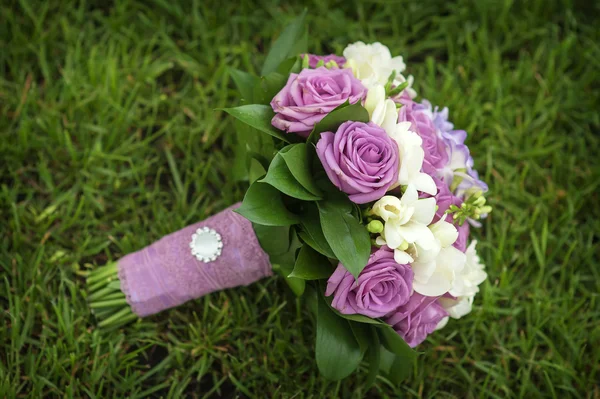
[
  {"x": 436, "y": 149},
  {"x": 360, "y": 159},
  {"x": 314, "y": 59},
  {"x": 310, "y": 95},
  {"x": 417, "y": 319},
  {"x": 382, "y": 286}
]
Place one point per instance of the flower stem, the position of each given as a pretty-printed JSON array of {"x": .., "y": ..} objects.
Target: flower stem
[{"x": 106, "y": 300}]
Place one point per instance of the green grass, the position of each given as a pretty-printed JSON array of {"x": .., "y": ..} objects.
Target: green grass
[{"x": 109, "y": 141}]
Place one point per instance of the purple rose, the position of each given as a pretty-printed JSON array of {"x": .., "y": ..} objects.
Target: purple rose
[
  {"x": 382, "y": 286},
  {"x": 417, "y": 319},
  {"x": 360, "y": 159},
  {"x": 436, "y": 149},
  {"x": 310, "y": 95},
  {"x": 314, "y": 59}
]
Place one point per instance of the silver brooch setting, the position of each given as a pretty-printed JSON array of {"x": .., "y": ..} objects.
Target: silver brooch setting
[{"x": 206, "y": 244}]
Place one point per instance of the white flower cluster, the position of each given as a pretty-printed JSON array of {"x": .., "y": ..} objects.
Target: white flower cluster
[{"x": 439, "y": 268}]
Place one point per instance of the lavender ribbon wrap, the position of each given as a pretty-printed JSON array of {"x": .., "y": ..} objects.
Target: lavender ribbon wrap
[{"x": 166, "y": 274}]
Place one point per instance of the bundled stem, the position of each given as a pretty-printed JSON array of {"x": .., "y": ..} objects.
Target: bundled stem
[{"x": 106, "y": 300}]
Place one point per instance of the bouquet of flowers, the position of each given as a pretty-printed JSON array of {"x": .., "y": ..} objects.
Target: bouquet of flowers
[{"x": 360, "y": 197}]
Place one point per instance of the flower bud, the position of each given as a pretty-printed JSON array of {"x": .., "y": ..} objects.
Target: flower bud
[
  {"x": 375, "y": 226},
  {"x": 305, "y": 61}
]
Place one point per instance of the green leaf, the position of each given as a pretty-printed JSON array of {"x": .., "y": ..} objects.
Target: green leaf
[
  {"x": 291, "y": 65},
  {"x": 297, "y": 285},
  {"x": 393, "y": 366},
  {"x": 259, "y": 117},
  {"x": 297, "y": 159},
  {"x": 361, "y": 319},
  {"x": 255, "y": 171},
  {"x": 362, "y": 333},
  {"x": 267, "y": 87},
  {"x": 373, "y": 356},
  {"x": 311, "y": 265},
  {"x": 394, "y": 342},
  {"x": 343, "y": 113},
  {"x": 245, "y": 83},
  {"x": 283, "y": 262},
  {"x": 405, "y": 356},
  {"x": 280, "y": 177},
  {"x": 312, "y": 232},
  {"x": 250, "y": 143},
  {"x": 263, "y": 205},
  {"x": 337, "y": 352},
  {"x": 346, "y": 236},
  {"x": 286, "y": 44},
  {"x": 262, "y": 160},
  {"x": 274, "y": 240}
]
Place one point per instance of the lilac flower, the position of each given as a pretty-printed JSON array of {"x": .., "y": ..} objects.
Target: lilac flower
[{"x": 461, "y": 162}]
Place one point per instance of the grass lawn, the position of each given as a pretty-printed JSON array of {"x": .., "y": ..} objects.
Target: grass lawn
[{"x": 109, "y": 141}]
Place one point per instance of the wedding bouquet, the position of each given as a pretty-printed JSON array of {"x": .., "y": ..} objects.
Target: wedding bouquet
[{"x": 360, "y": 197}]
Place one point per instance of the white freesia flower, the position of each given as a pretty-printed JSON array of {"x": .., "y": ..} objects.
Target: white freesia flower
[
  {"x": 436, "y": 269},
  {"x": 405, "y": 223},
  {"x": 466, "y": 285},
  {"x": 411, "y": 159},
  {"x": 373, "y": 64},
  {"x": 382, "y": 110},
  {"x": 473, "y": 274}
]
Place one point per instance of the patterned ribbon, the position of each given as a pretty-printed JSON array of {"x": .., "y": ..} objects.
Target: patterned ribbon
[{"x": 166, "y": 274}]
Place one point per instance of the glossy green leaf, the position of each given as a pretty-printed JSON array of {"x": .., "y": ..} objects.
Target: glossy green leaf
[
  {"x": 405, "y": 356},
  {"x": 283, "y": 262},
  {"x": 361, "y": 319},
  {"x": 311, "y": 265},
  {"x": 262, "y": 204},
  {"x": 343, "y": 113},
  {"x": 362, "y": 333},
  {"x": 393, "y": 367},
  {"x": 245, "y": 83},
  {"x": 289, "y": 42},
  {"x": 338, "y": 353},
  {"x": 259, "y": 117},
  {"x": 280, "y": 177},
  {"x": 274, "y": 240},
  {"x": 312, "y": 233},
  {"x": 267, "y": 87},
  {"x": 373, "y": 357},
  {"x": 346, "y": 236},
  {"x": 297, "y": 160},
  {"x": 394, "y": 342},
  {"x": 297, "y": 285},
  {"x": 255, "y": 170},
  {"x": 291, "y": 65}
]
